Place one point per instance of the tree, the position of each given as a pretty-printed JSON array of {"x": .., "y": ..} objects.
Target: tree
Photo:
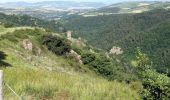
[
  {"x": 156, "y": 86},
  {"x": 56, "y": 44},
  {"x": 88, "y": 58},
  {"x": 3, "y": 57}
]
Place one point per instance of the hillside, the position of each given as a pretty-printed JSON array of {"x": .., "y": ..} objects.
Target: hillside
[
  {"x": 139, "y": 7},
  {"x": 26, "y": 20},
  {"x": 129, "y": 7},
  {"x": 112, "y": 71},
  {"x": 148, "y": 30},
  {"x": 41, "y": 64},
  {"x": 38, "y": 74},
  {"x": 48, "y": 10},
  {"x": 65, "y": 5},
  {"x": 110, "y": 54}
]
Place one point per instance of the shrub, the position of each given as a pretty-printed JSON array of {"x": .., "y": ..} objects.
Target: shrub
[
  {"x": 2, "y": 58},
  {"x": 88, "y": 58},
  {"x": 156, "y": 85},
  {"x": 9, "y": 37},
  {"x": 22, "y": 34},
  {"x": 8, "y": 25},
  {"x": 103, "y": 66},
  {"x": 57, "y": 45}
]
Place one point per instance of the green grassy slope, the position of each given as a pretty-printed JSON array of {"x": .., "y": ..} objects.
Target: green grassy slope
[{"x": 37, "y": 76}]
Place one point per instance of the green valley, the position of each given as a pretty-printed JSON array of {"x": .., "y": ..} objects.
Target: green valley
[
  {"x": 148, "y": 30},
  {"x": 93, "y": 51}
]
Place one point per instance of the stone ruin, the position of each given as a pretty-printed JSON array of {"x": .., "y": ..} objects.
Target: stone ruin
[{"x": 116, "y": 50}]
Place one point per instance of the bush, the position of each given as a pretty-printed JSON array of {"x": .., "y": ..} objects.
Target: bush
[
  {"x": 103, "y": 66},
  {"x": 22, "y": 34},
  {"x": 156, "y": 85},
  {"x": 56, "y": 44},
  {"x": 98, "y": 63},
  {"x": 8, "y": 25},
  {"x": 2, "y": 58},
  {"x": 88, "y": 58},
  {"x": 9, "y": 37}
]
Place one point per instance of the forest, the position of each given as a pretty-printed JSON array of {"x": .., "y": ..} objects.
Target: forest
[
  {"x": 148, "y": 31},
  {"x": 26, "y": 20}
]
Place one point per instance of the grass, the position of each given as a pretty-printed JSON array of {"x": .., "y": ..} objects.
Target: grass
[
  {"x": 4, "y": 30},
  {"x": 50, "y": 77},
  {"x": 42, "y": 84}
]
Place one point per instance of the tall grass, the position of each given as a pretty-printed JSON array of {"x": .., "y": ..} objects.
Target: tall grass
[
  {"x": 33, "y": 80},
  {"x": 42, "y": 84},
  {"x": 2, "y": 29}
]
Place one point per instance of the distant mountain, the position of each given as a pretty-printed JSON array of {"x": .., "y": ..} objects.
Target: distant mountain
[
  {"x": 129, "y": 7},
  {"x": 49, "y": 10},
  {"x": 54, "y": 4}
]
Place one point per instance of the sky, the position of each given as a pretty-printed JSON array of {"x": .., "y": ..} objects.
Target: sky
[{"x": 105, "y": 1}]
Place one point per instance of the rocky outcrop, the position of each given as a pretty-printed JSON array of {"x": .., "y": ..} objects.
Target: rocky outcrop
[
  {"x": 69, "y": 33},
  {"x": 116, "y": 50},
  {"x": 27, "y": 44},
  {"x": 76, "y": 56}
]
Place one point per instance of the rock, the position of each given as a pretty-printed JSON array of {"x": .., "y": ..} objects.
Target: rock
[
  {"x": 27, "y": 44},
  {"x": 76, "y": 56},
  {"x": 69, "y": 33},
  {"x": 116, "y": 50}
]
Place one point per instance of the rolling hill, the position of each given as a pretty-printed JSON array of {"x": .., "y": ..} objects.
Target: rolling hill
[
  {"x": 128, "y": 7},
  {"x": 48, "y": 10},
  {"x": 54, "y": 4}
]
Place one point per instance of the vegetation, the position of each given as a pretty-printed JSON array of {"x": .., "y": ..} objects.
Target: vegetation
[
  {"x": 2, "y": 28},
  {"x": 104, "y": 65},
  {"x": 2, "y": 58},
  {"x": 156, "y": 85},
  {"x": 40, "y": 84},
  {"x": 40, "y": 64},
  {"x": 8, "y": 25},
  {"x": 25, "y": 20},
  {"x": 57, "y": 45},
  {"x": 130, "y": 7},
  {"x": 47, "y": 76},
  {"x": 148, "y": 30},
  {"x": 101, "y": 65}
]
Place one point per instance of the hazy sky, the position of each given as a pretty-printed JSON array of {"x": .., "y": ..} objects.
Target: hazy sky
[{"x": 105, "y": 1}]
